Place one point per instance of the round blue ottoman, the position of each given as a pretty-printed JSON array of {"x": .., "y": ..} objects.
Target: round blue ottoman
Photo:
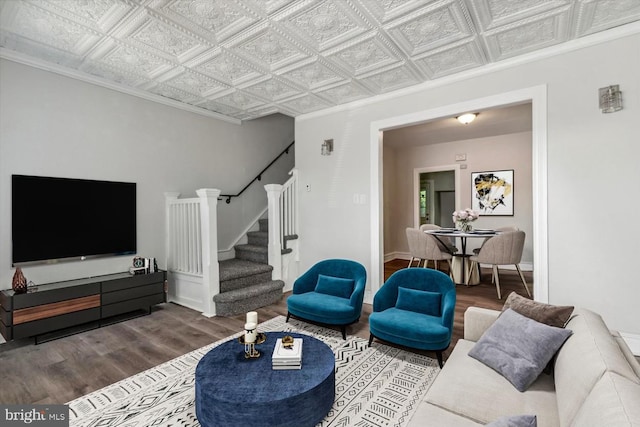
[{"x": 234, "y": 391}]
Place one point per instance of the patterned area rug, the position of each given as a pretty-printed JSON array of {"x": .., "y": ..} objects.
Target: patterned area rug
[{"x": 375, "y": 386}]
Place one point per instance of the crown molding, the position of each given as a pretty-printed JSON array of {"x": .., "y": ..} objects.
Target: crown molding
[
  {"x": 20, "y": 58},
  {"x": 586, "y": 41}
]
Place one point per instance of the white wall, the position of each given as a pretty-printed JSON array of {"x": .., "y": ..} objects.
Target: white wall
[
  {"x": 52, "y": 125},
  {"x": 512, "y": 151},
  {"x": 592, "y": 164}
]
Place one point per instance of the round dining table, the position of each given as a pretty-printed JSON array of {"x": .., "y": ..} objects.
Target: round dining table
[{"x": 460, "y": 263}]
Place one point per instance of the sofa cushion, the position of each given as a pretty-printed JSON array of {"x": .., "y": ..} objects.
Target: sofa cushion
[
  {"x": 552, "y": 315},
  {"x": 432, "y": 415},
  {"x": 468, "y": 387},
  {"x": 518, "y": 347},
  {"x": 515, "y": 421},
  {"x": 419, "y": 301},
  {"x": 336, "y": 286},
  {"x": 614, "y": 401},
  {"x": 597, "y": 352}
]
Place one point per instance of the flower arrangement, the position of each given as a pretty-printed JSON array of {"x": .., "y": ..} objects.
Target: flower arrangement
[{"x": 464, "y": 218}]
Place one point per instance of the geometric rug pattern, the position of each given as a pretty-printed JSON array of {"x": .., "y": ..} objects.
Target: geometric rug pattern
[{"x": 375, "y": 386}]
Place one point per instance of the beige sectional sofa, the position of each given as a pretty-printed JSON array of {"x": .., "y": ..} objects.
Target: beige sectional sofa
[{"x": 595, "y": 382}]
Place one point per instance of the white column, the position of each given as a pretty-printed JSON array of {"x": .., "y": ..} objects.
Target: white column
[
  {"x": 275, "y": 246},
  {"x": 209, "y": 230}
]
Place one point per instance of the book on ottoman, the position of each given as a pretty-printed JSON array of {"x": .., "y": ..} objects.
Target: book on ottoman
[{"x": 287, "y": 358}]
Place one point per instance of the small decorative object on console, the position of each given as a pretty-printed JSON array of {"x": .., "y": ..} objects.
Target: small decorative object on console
[{"x": 19, "y": 282}]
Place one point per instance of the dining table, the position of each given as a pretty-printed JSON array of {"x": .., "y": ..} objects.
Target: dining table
[{"x": 461, "y": 274}]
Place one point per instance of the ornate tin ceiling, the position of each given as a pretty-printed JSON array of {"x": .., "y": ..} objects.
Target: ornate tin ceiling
[{"x": 247, "y": 59}]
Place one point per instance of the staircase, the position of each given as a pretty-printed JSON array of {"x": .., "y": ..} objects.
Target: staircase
[{"x": 245, "y": 281}]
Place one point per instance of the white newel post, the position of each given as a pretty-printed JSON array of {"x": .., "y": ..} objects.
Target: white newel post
[
  {"x": 169, "y": 197},
  {"x": 209, "y": 230},
  {"x": 275, "y": 246}
]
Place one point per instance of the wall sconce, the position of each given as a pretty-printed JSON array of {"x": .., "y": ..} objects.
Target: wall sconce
[
  {"x": 327, "y": 147},
  {"x": 610, "y": 99},
  {"x": 467, "y": 118}
]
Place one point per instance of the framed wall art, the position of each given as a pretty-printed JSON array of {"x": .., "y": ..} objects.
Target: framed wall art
[{"x": 492, "y": 192}]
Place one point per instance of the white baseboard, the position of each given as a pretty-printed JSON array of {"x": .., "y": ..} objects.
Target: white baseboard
[{"x": 633, "y": 341}]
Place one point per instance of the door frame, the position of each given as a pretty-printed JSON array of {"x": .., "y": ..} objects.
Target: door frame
[
  {"x": 537, "y": 95},
  {"x": 416, "y": 188}
]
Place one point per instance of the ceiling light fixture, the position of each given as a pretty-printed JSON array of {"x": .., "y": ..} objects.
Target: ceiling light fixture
[{"x": 467, "y": 118}]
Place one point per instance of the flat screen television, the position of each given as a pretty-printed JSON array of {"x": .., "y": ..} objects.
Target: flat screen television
[{"x": 63, "y": 219}]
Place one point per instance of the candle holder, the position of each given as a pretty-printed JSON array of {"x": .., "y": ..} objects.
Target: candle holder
[
  {"x": 250, "y": 338},
  {"x": 250, "y": 351}
]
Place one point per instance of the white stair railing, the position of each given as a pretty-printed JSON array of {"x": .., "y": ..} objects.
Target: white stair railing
[
  {"x": 283, "y": 218},
  {"x": 192, "y": 250}
]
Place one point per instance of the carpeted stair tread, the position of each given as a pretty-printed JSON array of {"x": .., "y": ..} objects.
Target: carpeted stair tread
[
  {"x": 248, "y": 298},
  {"x": 252, "y": 253},
  {"x": 258, "y": 238},
  {"x": 250, "y": 291},
  {"x": 237, "y": 268}
]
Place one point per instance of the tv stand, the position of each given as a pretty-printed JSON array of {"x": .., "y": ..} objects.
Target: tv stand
[{"x": 64, "y": 308}]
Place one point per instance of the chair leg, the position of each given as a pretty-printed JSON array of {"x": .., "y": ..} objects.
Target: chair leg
[
  {"x": 370, "y": 339},
  {"x": 343, "y": 328},
  {"x": 524, "y": 282},
  {"x": 439, "y": 356},
  {"x": 410, "y": 262},
  {"x": 497, "y": 280}
]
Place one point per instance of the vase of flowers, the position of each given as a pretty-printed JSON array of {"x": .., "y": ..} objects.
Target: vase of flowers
[{"x": 464, "y": 218}]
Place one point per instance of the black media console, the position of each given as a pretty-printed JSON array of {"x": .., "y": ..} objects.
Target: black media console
[{"x": 59, "y": 309}]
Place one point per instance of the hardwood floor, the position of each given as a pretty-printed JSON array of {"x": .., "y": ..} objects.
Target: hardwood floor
[{"x": 62, "y": 370}]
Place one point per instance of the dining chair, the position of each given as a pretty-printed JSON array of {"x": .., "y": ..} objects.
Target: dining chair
[
  {"x": 446, "y": 243},
  {"x": 502, "y": 249},
  {"x": 425, "y": 247},
  {"x": 476, "y": 251}
]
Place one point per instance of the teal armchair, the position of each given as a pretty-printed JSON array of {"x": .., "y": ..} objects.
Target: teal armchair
[
  {"x": 415, "y": 308},
  {"x": 329, "y": 293}
]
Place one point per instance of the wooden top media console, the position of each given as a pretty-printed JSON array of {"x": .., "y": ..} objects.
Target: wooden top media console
[{"x": 64, "y": 308}]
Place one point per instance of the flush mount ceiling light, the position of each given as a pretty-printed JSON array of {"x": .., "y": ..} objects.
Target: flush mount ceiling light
[{"x": 467, "y": 118}]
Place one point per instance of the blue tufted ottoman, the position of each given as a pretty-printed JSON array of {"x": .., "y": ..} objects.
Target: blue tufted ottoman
[{"x": 233, "y": 391}]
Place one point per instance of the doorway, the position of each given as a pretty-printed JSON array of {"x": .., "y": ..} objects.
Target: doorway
[
  {"x": 436, "y": 197},
  {"x": 537, "y": 96}
]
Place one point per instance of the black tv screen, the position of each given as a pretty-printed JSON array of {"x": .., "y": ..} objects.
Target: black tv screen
[{"x": 67, "y": 219}]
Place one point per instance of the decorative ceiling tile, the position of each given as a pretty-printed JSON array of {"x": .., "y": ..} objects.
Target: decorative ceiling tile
[
  {"x": 239, "y": 100},
  {"x": 195, "y": 83},
  {"x": 51, "y": 30},
  {"x": 594, "y": 16},
  {"x": 312, "y": 75},
  {"x": 494, "y": 13},
  {"x": 450, "y": 60},
  {"x": 228, "y": 68},
  {"x": 221, "y": 18},
  {"x": 430, "y": 28},
  {"x": 272, "y": 89},
  {"x": 344, "y": 93},
  {"x": 391, "y": 79},
  {"x": 306, "y": 104},
  {"x": 523, "y": 37},
  {"x": 363, "y": 56},
  {"x": 325, "y": 23},
  {"x": 246, "y": 58},
  {"x": 134, "y": 60},
  {"x": 270, "y": 49},
  {"x": 386, "y": 10},
  {"x": 166, "y": 38}
]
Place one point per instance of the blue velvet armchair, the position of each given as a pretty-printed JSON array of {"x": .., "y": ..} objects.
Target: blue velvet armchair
[
  {"x": 414, "y": 308},
  {"x": 329, "y": 293}
]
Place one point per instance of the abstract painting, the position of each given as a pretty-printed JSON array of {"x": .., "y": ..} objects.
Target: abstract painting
[{"x": 492, "y": 192}]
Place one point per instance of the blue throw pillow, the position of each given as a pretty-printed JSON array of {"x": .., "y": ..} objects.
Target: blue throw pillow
[
  {"x": 419, "y": 301},
  {"x": 336, "y": 286},
  {"x": 518, "y": 348}
]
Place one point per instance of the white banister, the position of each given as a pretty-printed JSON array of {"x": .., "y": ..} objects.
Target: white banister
[
  {"x": 274, "y": 192},
  {"x": 209, "y": 235}
]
